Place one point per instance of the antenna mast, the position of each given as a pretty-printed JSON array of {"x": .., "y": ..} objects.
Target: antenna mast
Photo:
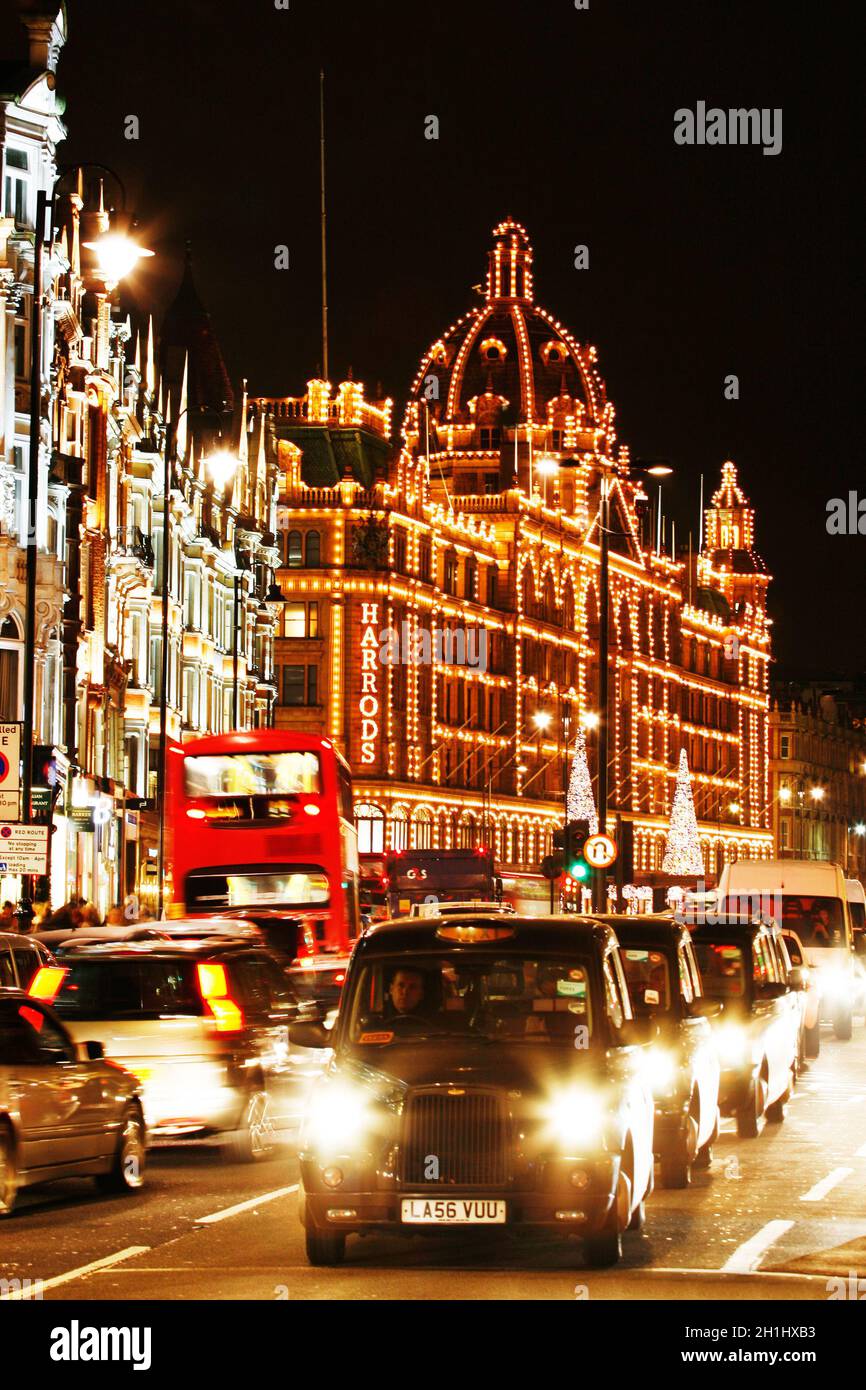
[{"x": 324, "y": 225}]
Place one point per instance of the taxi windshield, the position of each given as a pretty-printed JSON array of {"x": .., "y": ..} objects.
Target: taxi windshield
[
  {"x": 648, "y": 980},
  {"x": 514, "y": 999},
  {"x": 722, "y": 970},
  {"x": 817, "y": 921}
]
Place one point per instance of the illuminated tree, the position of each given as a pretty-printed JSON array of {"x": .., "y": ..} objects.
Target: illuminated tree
[
  {"x": 580, "y": 802},
  {"x": 682, "y": 848}
]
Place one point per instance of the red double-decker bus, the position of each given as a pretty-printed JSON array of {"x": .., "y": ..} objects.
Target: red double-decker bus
[{"x": 261, "y": 826}]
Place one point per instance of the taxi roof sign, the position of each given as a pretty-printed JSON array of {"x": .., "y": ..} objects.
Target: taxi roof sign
[{"x": 472, "y": 934}]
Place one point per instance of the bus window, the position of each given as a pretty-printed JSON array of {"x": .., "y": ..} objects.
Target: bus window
[
  {"x": 353, "y": 909},
  {"x": 344, "y": 793}
]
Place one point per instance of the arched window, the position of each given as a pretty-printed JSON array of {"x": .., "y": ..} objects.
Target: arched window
[
  {"x": 528, "y": 592},
  {"x": 466, "y": 832},
  {"x": 314, "y": 550},
  {"x": 422, "y": 829},
  {"x": 399, "y": 829},
  {"x": 370, "y": 825},
  {"x": 294, "y": 551},
  {"x": 10, "y": 669}
]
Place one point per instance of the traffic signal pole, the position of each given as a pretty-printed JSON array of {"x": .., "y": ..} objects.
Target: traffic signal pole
[{"x": 599, "y": 876}]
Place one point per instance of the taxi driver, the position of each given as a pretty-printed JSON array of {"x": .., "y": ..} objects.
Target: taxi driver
[{"x": 406, "y": 992}]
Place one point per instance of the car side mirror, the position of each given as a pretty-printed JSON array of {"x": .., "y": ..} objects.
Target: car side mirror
[
  {"x": 772, "y": 989},
  {"x": 94, "y": 1050},
  {"x": 638, "y": 1031},
  {"x": 703, "y": 1008},
  {"x": 796, "y": 978},
  {"x": 309, "y": 1034}
]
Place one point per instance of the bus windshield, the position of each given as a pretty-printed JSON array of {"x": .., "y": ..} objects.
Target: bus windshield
[
  {"x": 297, "y": 886},
  {"x": 253, "y": 774}
]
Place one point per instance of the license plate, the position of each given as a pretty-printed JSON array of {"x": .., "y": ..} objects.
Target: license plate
[{"x": 452, "y": 1211}]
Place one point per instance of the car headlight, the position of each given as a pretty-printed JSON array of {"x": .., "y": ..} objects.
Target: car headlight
[
  {"x": 833, "y": 982},
  {"x": 337, "y": 1116},
  {"x": 576, "y": 1117},
  {"x": 661, "y": 1070},
  {"x": 731, "y": 1040}
]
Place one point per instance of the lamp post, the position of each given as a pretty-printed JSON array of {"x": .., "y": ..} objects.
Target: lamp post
[
  {"x": 111, "y": 271},
  {"x": 222, "y": 467},
  {"x": 656, "y": 470}
]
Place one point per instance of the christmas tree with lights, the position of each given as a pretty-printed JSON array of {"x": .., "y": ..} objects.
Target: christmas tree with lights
[
  {"x": 682, "y": 848},
  {"x": 580, "y": 802}
]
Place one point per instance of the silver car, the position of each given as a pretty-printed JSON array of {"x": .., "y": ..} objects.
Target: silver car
[{"x": 64, "y": 1111}]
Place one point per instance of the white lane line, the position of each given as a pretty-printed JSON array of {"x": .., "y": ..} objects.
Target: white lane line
[
  {"x": 245, "y": 1206},
  {"x": 79, "y": 1273},
  {"x": 820, "y": 1190},
  {"x": 747, "y": 1257}
]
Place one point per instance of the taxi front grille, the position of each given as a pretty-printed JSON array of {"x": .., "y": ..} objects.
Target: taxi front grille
[{"x": 455, "y": 1140}]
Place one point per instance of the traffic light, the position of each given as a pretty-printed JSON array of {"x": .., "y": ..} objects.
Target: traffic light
[
  {"x": 44, "y": 766},
  {"x": 575, "y": 836}
]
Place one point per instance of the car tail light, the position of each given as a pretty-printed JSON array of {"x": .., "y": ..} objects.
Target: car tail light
[
  {"x": 215, "y": 992},
  {"x": 339, "y": 977},
  {"x": 46, "y": 982}
]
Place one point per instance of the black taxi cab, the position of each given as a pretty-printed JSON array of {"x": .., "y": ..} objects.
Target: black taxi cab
[
  {"x": 485, "y": 1072},
  {"x": 665, "y": 986},
  {"x": 745, "y": 966}
]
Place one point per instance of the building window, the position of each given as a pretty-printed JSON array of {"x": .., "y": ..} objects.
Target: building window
[
  {"x": 784, "y": 746},
  {"x": 313, "y": 550},
  {"x": 489, "y": 437},
  {"x": 17, "y": 186},
  {"x": 370, "y": 824},
  {"x": 10, "y": 665},
  {"x": 424, "y": 561},
  {"x": 301, "y": 620},
  {"x": 400, "y": 552},
  {"x": 294, "y": 551},
  {"x": 312, "y": 685},
  {"x": 450, "y": 576},
  {"x": 293, "y": 685}
]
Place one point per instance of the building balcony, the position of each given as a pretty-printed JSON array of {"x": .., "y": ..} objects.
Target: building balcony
[{"x": 133, "y": 542}]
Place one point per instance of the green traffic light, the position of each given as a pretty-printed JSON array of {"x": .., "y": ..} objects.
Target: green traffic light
[{"x": 580, "y": 871}]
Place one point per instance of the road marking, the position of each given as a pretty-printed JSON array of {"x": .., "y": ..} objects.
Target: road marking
[
  {"x": 747, "y": 1257},
  {"x": 79, "y": 1273},
  {"x": 245, "y": 1206},
  {"x": 861, "y": 1152},
  {"x": 820, "y": 1190}
]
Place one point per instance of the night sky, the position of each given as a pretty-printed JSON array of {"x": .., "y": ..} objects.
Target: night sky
[{"x": 703, "y": 261}]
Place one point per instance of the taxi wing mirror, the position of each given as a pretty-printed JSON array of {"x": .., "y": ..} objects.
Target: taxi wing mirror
[
  {"x": 93, "y": 1051},
  {"x": 703, "y": 1008},
  {"x": 638, "y": 1031},
  {"x": 796, "y": 978},
  {"x": 772, "y": 989},
  {"x": 309, "y": 1034}
]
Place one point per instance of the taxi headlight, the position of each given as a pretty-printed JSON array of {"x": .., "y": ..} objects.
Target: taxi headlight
[
  {"x": 576, "y": 1117},
  {"x": 337, "y": 1116},
  {"x": 661, "y": 1070},
  {"x": 833, "y": 982},
  {"x": 731, "y": 1042}
]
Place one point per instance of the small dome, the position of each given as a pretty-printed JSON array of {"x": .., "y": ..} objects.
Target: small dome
[{"x": 511, "y": 352}]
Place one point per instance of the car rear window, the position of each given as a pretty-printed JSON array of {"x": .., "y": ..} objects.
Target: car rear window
[
  {"x": 127, "y": 988},
  {"x": 723, "y": 970}
]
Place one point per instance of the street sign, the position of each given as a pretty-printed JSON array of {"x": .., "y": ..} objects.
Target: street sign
[
  {"x": 24, "y": 848},
  {"x": 40, "y": 799},
  {"x": 10, "y": 757},
  {"x": 82, "y": 817},
  {"x": 600, "y": 851},
  {"x": 10, "y": 805}
]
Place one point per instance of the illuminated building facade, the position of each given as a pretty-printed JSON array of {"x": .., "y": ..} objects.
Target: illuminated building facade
[
  {"x": 483, "y": 525},
  {"x": 818, "y": 773}
]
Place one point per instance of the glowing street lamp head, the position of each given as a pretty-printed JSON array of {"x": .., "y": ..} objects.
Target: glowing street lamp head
[
  {"x": 222, "y": 467},
  {"x": 734, "y": 808},
  {"x": 541, "y": 719},
  {"x": 590, "y": 720},
  {"x": 784, "y": 793},
  {"x": 860, "y": 828},
  {"x": 116, "y": 256},
  {"x": 817, "y": 793},
  {"x": 660, "y": 470},
  {"x": 547, "y": 467}
]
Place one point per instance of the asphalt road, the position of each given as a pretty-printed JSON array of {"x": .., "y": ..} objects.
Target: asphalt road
[{"x": 775, "y": 1217}]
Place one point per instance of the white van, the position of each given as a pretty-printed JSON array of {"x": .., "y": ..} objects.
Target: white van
[{"x": 807, "y": 896}]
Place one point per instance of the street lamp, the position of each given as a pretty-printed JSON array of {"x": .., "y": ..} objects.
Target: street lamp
[
  {"x": 817, "y": 793},
  {"x": 546, "y": 468},
  {"x": 117, "y": 255},
  {"x": 43, "y": 226}
]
